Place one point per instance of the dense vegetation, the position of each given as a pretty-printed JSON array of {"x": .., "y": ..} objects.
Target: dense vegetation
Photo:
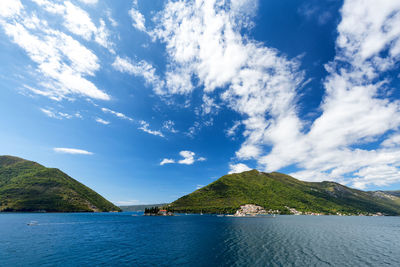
[
  {"x": 29, "y": 186},
  {"x": 278, "y": 191}
]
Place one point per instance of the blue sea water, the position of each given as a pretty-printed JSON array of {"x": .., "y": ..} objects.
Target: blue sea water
[{"x": 110, "y": 239}]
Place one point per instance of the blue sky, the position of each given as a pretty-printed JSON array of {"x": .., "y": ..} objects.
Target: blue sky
[{"x": 145, "y": 101}]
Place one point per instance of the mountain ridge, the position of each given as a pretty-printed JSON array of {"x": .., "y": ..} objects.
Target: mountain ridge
[{"x": 277, "y": 191}]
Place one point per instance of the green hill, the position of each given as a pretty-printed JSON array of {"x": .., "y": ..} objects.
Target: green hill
[
  {"x": 278, "y": 191},
  {"x": 28, "y": 186}
]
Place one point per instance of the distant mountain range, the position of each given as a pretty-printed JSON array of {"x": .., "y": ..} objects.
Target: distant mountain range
[
  {"x": 277, "y": 191},
  {"x": 28, "y": 186}
]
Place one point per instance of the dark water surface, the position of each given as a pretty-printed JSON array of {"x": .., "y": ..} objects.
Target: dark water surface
[{"x": 96, "y": 239}]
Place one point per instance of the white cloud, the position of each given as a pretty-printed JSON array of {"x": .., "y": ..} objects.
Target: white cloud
[
  {"x": 90, "y": 2},
  {"x": 238, "y": 168},
  {"x": 71, "y": 151},
  {"x": 61, "y": 60},
  {"x": 201, "y": 159},
  {"x": 169, "y": 126},
  {"x": 352, "y": 112},
  {"x": 111, "y": 19},
  {"x": 392, "y": 141},
  {"x": 78, "y": 21},
  {"x": 138, "y": 20},
  {"x": 117, "y": 114},
  {"x": 143, "y": 125},
  {"x": 232, "y": 131},
  {"x": 203, "y": 40},
  {"x": 10, "y": 8},
  {"x": 145, "y": 128},
  {"x": 209, "y": 105},
  {"x": 142, "y": 69},
  {"x": 167, "y": 161},
  {"x": 188, "y": 158},
  {"x": 51, "y": 113},
  {"x": 100, "y": 120}
]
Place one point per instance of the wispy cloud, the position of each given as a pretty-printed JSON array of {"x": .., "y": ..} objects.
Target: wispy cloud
[
  {"x": 65, "y": 150},
  {"x": 142, "y": 69},
  {"x": 143, "y": 125},
  {"x": 231, "y": 132},
  {"x": 117, "y": 114},
  {"x": 100, "y": 120},
  {"x": 138, "y": 20},
  {"x": 169, "y": 126},
  {"x": 59, "y": 115},
  {"x": 62, "y": 62},
  {"x": 78, "y": 21},
  {"x": 145, "y": 128}
]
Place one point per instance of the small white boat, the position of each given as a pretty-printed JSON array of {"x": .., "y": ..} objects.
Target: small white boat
[{"x": 31, "y": 223}]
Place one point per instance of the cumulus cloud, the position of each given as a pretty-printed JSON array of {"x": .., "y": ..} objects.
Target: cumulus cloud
[
  {"x": 238, "y": 168},
  {"x": 353, "y": 113},
  {"x": 203, "y": 40},
  {"x": 188, "y": 158},
  {"x": 74, "y": 151},
  {"x": 61, "y": 60}
]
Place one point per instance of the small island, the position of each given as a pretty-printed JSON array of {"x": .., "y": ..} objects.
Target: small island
[{"x": 157, "y": 211}]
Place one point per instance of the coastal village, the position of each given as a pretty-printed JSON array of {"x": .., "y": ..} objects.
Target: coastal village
[{"x": 251, "y": 210}]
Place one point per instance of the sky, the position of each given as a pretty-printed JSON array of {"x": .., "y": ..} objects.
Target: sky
[{"x": 146, "y": 101}]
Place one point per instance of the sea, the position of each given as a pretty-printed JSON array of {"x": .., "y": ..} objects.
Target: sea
[{"x": 129, "y": 239}]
